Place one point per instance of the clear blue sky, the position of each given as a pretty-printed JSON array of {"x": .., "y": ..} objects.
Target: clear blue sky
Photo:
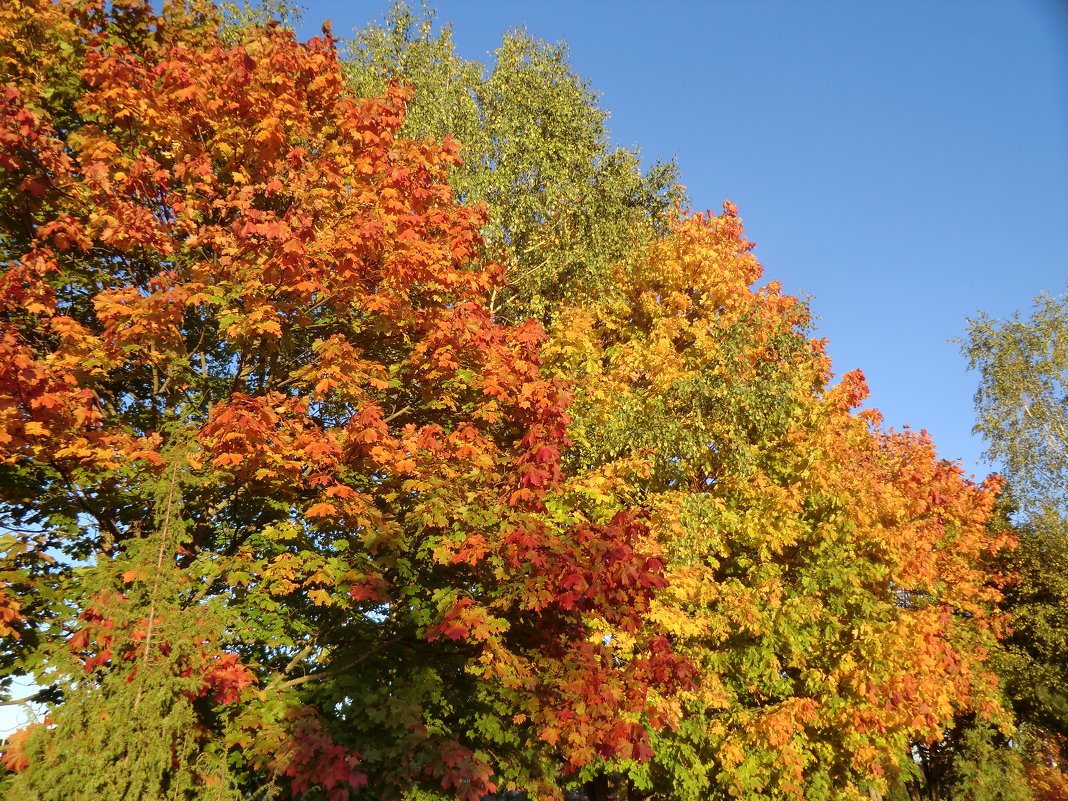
[{"x": 905, "y": 163}]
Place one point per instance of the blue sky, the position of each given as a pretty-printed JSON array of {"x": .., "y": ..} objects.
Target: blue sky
[{"x": 904, "y": 163}]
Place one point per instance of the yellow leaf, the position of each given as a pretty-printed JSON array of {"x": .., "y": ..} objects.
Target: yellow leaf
[{"x": 33, "y": 428}]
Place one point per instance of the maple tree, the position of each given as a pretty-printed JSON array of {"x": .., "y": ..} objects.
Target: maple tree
[
  {"x": 827, "y": 578},
  {"x": 452, "y": 97},
  {"x": 283, "y": 501}
]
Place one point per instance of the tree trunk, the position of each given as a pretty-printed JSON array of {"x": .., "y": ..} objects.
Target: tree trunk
[{"x": 598, "y": 789}]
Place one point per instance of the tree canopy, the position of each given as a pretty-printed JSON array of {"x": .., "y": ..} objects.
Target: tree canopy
[
  {"x": 825, "y": 577},
  {"x": 1022, "y": 402},
  {"x": 282, "y": 499},
  {"x": 373, "y": 428}
]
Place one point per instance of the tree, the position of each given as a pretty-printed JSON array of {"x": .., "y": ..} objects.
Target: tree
[
  {"x": 1022, "y": 401},
  {"x": 563, "y": 205},
  {"x": 1022, "y": 413},
  {"x": 282, "y": 499},
  {"x": 827, "y": 578}
]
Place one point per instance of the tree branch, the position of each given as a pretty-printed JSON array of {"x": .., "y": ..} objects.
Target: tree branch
[{"x": 26, "y": 700}]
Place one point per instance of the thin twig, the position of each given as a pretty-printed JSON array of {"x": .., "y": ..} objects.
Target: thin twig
[
  {"x": 296, "y": 660},
  {"x": 335, "y": 671},
  {"x": 397, "y": 414}
]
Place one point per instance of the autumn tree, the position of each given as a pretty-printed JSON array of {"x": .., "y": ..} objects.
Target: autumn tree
[
  {"x": 283, "y": 501},
  {"x": 827, "y": 578}
]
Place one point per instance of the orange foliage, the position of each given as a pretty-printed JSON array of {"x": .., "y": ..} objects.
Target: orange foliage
[
  {"x": 826, "y": 576},
  {"x": 245, "y": 343}
]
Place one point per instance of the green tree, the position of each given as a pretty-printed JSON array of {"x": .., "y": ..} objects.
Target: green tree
[
  {"x": 973, "y": 761},
  {"x": 563, "y": 203},
  {"x": 1022, "y": 413},
  {"x": 989, "y": 768},
  {"x": 1022, "y": 401}
]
